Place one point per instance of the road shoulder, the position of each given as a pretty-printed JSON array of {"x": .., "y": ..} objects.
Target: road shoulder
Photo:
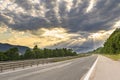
[{"x": 106, "y": 69}]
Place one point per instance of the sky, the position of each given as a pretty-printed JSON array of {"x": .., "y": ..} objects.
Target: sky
[{"x": 82, "y": 25}]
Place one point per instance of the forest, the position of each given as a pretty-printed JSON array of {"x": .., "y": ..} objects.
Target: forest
[
  {"x": 35, "y": 53},
  {"x": 111, "y": 45}
]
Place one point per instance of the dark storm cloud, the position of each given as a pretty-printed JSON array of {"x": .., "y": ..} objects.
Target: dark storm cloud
[
  {"x": 33, "y": 23},
  {"x": 23, "y": 22},
  {"x": 102, "y": 17},
  {"x": 105, "y": 13},
  {"x": 24, "y": 4},
  {"x": 3, "y": 19}
]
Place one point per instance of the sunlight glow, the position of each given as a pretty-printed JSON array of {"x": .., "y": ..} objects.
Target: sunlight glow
[
  {"x": 117, "y": 24},
  {"x": 55, "y": 32},
  {"x": 42, "y": 37},
  {"x": 101, "y": 35}
]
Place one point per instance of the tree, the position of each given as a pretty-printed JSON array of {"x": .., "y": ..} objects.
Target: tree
[
  {"x": 12, "y": 53},
  {"x": 112, "y": 45},
  {"x": 35, "y": 48},
  {"x": 3, "y": 57},
  {"x": 46, "y": 53},
  {"x": 29, "y": 54},
  {"x": 61, "y": 53},
  {"x": 41, "y": 53},
  {"x": 37, "y": 52}
]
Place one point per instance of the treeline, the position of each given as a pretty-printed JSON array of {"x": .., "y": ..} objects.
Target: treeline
[
  {"x": 112, "y": 44},
  {"x": 35, "y": 53}
]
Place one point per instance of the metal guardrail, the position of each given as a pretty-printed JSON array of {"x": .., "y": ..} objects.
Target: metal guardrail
[{"x": 22, "y": 64}]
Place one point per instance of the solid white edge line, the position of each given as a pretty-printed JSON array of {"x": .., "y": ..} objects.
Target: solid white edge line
[{"x": 87, "y": 76}]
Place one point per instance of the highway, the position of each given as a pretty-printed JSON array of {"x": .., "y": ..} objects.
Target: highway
[{"x": 73, "y": 69}]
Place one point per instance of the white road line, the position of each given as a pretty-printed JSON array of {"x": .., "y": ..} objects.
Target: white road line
[
  {"x": 43, "y": 70},
  {"x": 87, "y": 76}
]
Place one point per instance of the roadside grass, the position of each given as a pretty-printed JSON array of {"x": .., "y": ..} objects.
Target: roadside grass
[{"x": 115, "y": 57}]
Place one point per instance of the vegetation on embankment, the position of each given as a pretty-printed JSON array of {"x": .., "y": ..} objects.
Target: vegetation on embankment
[
  {"x": 115, "y": 57},
  {"x": 111, "y": 47}
]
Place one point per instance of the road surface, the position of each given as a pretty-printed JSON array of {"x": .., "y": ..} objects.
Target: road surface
[{"x": 66, "y": 70}]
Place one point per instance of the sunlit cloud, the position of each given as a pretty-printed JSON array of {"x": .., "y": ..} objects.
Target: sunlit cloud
[
  {"x": 45, "y": 37},
  {"x": 100, "y": 37},
  {"x": 117, "y": 24},
  {"x": 91, "y": 5},
  {"x": 55, "y": 32},
  {"x": 3, "y": 29}
]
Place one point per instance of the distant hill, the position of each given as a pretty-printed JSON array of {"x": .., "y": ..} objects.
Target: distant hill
[
  {"x": 112, "y": 44},
  {"x": 4, "y": 47}
]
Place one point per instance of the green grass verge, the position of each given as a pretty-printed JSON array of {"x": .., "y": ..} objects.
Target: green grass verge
[{"x": 113, "y": 56}]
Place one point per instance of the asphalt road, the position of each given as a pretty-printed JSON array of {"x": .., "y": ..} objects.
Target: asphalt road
[{"x": 65, "y": 70}]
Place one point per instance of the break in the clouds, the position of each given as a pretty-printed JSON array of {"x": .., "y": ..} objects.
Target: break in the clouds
[{"x": 77, "y": 24}]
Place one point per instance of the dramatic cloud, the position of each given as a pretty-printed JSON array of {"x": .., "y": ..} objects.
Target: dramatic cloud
[
  {"x": 59, "y": 23},
  {"x": 87, "y": 15},
  {"x": 42, "y": 37}
]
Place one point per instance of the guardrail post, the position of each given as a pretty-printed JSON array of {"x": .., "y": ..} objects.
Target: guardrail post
[
  {"x": 1, "y": 69},
  {"x": 12, "y": 66},
  {"x": 43, "y": 62},
  {"x": 31, "y": 64},
  {"x": 23, "y": 66},
  {"x": 37, "y": 63}
]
